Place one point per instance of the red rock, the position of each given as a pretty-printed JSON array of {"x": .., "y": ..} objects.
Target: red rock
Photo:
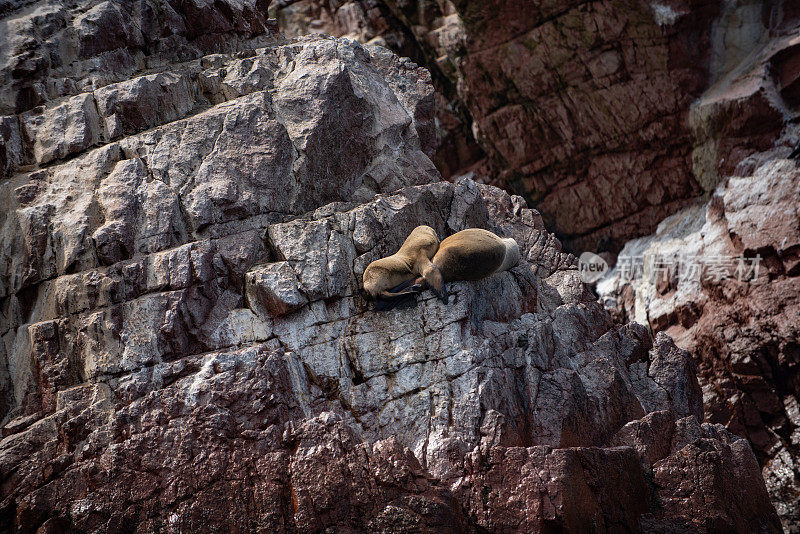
[{"x": 743, "y": 334}]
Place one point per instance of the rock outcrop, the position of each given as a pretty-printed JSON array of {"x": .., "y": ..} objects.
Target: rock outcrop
[
  {"x": 185, "y": 346},
  {"x": 431, "y": 34},
  {"x": 608, "y": 116},
  {"x": 722, "y": 279}
]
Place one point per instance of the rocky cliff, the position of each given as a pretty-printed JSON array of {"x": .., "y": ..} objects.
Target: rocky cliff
[
  {"x": 188, "y": 206},
  {"x": 737, "y": 313},
  {"x": 610, "y": 116}
]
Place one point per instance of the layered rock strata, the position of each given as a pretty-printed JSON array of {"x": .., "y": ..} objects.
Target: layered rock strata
[
  {"x": 185, "y": 345},
  {"x": 610, "y": 116},
  {"x": 431, "y": 34}
]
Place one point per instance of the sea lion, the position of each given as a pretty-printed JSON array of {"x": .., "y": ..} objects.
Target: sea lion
[
  {"x": 392, "y": 277},
  {"x": 470, "y": 254}
]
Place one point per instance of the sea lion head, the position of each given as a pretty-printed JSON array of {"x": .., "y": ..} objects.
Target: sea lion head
[{"x": 434, "y": 280}]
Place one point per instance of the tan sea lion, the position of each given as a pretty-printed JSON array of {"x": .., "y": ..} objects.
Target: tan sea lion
[
  {"x": 470, "y": 254},
  {"x": 389, "y": 277}
]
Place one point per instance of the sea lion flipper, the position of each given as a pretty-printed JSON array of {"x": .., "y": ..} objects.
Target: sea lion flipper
[
  {"x": 400, "y": 287},
  {"x": 413, "y": 285},
  {"x": 434, "y": 280},
  {"x": 410, "y": 290},
  {"x": 443, "y": 295}
]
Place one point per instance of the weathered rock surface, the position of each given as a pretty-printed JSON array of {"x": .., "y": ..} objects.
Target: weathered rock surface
[
  {"x": 609, "y": 115},
  {"x": 742, "y": 326},
  {"x": 184, "y": 341},
  {"x": 430, "y": 33},
  {"x": 52, "y": 49},
  {"x": 157, "y": 391}
]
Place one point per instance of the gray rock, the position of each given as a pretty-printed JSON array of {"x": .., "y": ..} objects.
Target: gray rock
[
  {"x": 63, "y": 128},
  {"x": 11, "y": 155},
  {"x": 135, "y": 105},
  {"x": 729, "y": 295},
  {"x": 675, "y": 372},
  {"x": 274, "y": 290}
]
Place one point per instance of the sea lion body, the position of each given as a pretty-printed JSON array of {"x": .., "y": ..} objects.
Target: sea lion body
[
  {"x": 470, "y": 254},
  {"x": 403, "y": 266}
]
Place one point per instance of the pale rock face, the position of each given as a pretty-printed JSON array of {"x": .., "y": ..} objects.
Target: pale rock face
[
  {"x": 52, "y": 50},
  {"x": 63, "y": 129},
  {"x": 185, "y": 344},
  {"x": 274, "y": 289},
  {"x": 428, "y": 32},
  {"x": 134, "y": 105}
]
